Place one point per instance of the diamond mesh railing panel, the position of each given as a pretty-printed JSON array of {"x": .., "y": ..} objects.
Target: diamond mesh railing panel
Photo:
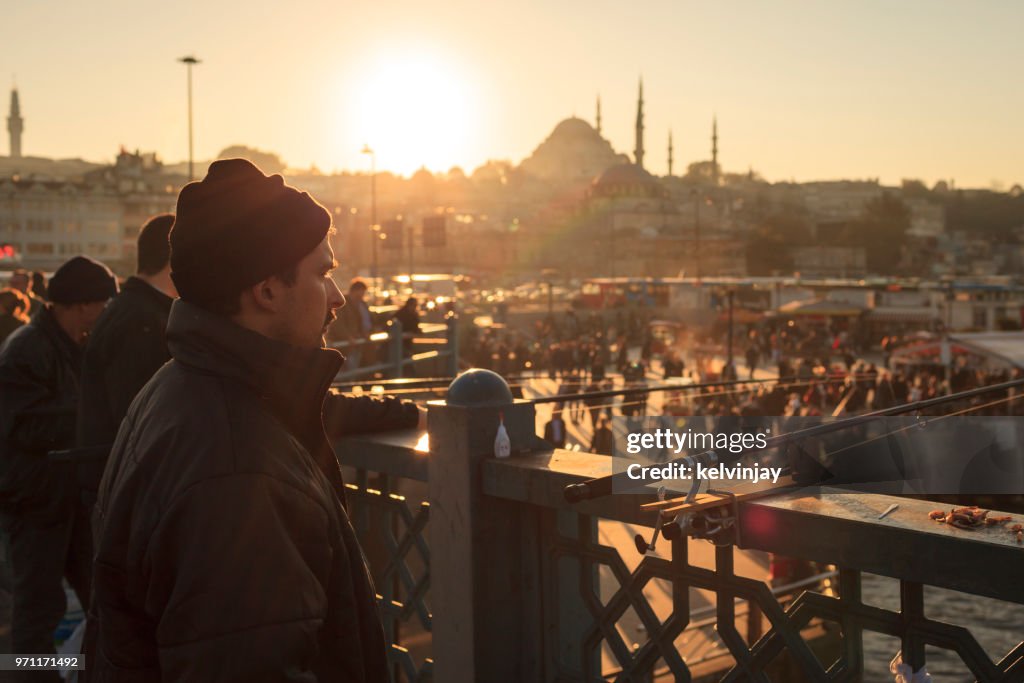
[{"x": 392, "y": 531}]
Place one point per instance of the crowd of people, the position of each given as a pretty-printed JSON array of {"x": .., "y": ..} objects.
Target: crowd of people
[
  {"x": 814, "y": 391},
  {"x": 807, "y": 372},
  {"x": 559, "y": 347},
  {"x": 165, "y": 448}
]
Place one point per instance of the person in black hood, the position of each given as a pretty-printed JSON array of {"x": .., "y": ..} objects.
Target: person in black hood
[
  {"x": 224, "y": 550},
  {"x": 46, "y": 525},
  {"x": 127, "y": 345}
]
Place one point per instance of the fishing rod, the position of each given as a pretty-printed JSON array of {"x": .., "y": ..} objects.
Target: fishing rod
[
  {"x": 604, "y": 486},
  {"x": 646, "y": 389},
  {"x": 399, "y": 384}
]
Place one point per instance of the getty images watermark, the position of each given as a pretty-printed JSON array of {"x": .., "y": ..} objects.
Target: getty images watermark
[
  {"x": 896, "y": 455},
  {"x": 681, "y": 442}
]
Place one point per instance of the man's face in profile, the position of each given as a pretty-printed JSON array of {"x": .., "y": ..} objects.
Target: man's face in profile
[{"x": 312, "y": 300}]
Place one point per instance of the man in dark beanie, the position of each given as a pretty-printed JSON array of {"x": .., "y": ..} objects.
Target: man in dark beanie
[
  {"x": 128, "y": 345},
  {"x": 224, "y": 551},
  {"x": 40, "y": 509}
]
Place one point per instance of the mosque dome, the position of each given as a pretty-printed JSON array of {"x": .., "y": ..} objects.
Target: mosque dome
[
  {"x": 574, "y": 128},
  {"x": 574, "y": 153},
  {"x": 627, "y": 180}
]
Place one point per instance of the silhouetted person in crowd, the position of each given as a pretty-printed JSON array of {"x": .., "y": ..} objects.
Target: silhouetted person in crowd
[
  {"x": 40, "y": 508},
  {"x": 127, "y": 345},
  {"x": 673, "y": 365},
  {"x": 39, "y": 284},
  {"x": 603, "y": 442},
  {"x": 752, "y": 358},
  {"x": 223, "y": 547},
  {"x": 14, "y": 308},
  {"x": 354, "y": 324},
  {"x": 729, "y": 371},
  {"x": 409, "y": 315},
  {"x": 21, "y": 280},
  {"x": 554, "y": 430}
]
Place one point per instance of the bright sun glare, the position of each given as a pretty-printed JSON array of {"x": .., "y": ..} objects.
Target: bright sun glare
[{"x": 413, "y": 111}]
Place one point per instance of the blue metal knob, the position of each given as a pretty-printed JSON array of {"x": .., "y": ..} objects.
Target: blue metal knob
[{"x": 479, "y": 387}]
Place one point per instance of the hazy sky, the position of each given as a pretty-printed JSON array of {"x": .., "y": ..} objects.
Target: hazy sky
[{"x": 805, "y": 90}]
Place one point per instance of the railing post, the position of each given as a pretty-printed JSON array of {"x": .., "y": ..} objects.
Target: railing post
[
  {"x": 485, "y": 576},
  {"x": 912, "y": 613},
  {"x": 452, "y": 347},
  {"x": 853, "y": 634},
  {"x": 395, "y": 356}
]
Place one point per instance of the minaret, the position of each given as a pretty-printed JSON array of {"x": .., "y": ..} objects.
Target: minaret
[
  {"x": 714, "y": 149},
  {"x": 638, "y": 152},
  {"x": 598, "y": 114},
  {"x": 670, "y": 153},
  {"x": 15, "y": 124}
]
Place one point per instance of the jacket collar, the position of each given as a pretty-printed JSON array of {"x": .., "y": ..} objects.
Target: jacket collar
[
  {"x": 149, "y": 291},
  {"x": 293, "y": 381}
]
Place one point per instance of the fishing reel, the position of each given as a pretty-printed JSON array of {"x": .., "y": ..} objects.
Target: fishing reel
[{"x": 716, "y": 524}]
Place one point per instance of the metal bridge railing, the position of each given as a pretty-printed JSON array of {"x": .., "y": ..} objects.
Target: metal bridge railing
[
  {"x": 389, "y": 512},
  {"x": 433, "y": 350},
  {"x": 485, "y": 572}
]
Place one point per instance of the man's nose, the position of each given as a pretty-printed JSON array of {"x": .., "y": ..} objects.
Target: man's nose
[{"x": 335, "y": 298}]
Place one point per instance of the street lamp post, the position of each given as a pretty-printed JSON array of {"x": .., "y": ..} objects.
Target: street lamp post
[
  {"x": 373, "y": 212},
  {"x": 610, "y": 256},
  {"x": 731, "y": 293},
  {"x": 189, "y": 62},
  {"x": 410, "y": 236},
  {"x": 696, "y": 229},
  {"x": 549, "y": 274}
]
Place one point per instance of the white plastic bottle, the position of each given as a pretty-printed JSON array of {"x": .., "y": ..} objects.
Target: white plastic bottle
[{"x": 502, "y": 444}]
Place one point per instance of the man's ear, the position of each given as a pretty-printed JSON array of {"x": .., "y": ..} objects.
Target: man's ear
[{"x": 265, "y": 295}]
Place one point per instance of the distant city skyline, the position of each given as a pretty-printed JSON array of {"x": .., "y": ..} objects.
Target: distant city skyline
[{"x": 801, "y": 90}]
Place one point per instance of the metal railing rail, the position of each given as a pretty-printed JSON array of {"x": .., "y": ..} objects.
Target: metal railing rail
[{"x": 439, "y": 340}]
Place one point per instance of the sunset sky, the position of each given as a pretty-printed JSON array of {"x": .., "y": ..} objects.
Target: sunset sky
[{"x": 802, "y": 90}]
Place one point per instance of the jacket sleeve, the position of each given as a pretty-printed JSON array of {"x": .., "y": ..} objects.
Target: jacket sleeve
[
  {"x": 238, "y": 569},
  {"x": 34, "y": 416},
  {"x": 344, "y": 415}
]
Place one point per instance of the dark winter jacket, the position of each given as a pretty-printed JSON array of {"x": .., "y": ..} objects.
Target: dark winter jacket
[
  {"x": 8, "y": 324},
  {"x": 39, "y": 367},
  {"x": 223, "y": 549},
  {"x": 125, "y": 348}
]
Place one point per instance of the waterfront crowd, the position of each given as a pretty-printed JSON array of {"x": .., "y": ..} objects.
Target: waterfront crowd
[
  {"x": 558, "y": 346},
  {"x": 800, "y": 378}
]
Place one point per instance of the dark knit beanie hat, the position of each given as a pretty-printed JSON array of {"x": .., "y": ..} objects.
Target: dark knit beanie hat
[
  {"x": 237, "y": 227},
  {"x": 81, "y": 280}
]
